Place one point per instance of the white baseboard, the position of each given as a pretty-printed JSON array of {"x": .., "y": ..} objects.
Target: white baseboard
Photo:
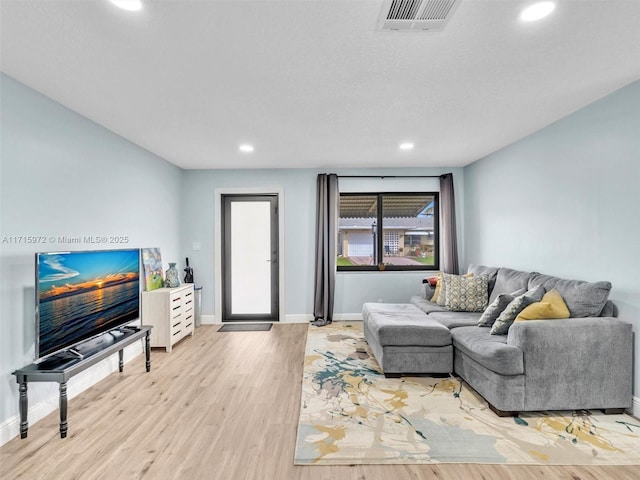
[
  {"x": 348, "y": 317},
  {"x": 209, "y": 320},
  {"x": 298, "y": 318},
  {"x": 295, "y": 318},
  {"x": 635, "y": 407},
  {"x": 307, "y": 317},
  {"x": 10, "y": 428},
  {"x": 215, "y": 320}
]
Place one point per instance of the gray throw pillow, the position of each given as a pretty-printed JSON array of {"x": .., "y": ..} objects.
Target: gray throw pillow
[
  {"x": 509, "y": 314},
  {"x": 492, "y": 312},
  {"x": 427, "y": 291}
]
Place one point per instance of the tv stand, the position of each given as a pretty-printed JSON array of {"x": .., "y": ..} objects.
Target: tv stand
[
  {"x": 73, "y": 351},
  {"x": 64, "y": 365}
]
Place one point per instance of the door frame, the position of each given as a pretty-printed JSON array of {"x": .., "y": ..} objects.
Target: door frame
[
  {"x": 274, "y": 256},
  {"x": 217, "y": 224}
]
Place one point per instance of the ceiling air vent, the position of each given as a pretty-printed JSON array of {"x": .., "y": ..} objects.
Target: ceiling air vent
[{"x": 416, "y": 15}]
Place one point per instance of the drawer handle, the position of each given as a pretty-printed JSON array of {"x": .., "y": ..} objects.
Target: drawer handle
[{"x": 176, "y": 333}]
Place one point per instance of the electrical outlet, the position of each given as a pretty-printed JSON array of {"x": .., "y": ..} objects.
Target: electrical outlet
[
  {"x": 380, "y": 300},
  {"x": 196, "y": 246}
]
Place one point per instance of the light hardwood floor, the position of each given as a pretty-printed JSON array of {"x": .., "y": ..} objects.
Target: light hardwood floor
[{"x": 220, "y": 406}]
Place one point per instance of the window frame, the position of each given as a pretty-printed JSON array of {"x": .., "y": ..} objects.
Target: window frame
[{"x": 379, "y": 247}]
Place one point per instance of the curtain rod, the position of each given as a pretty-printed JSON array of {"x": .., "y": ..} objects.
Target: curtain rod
[{"x": 389, "y": 176}]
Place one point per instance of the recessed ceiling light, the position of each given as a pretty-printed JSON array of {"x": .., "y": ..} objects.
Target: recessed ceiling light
[
  {"x": 246, "y": 148},
  {"x": 131, "y": 5},
  {"x": 537, "y": 11},
  {"x": 406, "y": 146}
]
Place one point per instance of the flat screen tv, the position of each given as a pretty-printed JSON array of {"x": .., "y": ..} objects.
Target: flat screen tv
[{"x": 80, "y": 295}]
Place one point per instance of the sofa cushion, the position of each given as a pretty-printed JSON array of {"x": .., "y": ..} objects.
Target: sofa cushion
[
  {"x": 455, "y": 319},
  {"x": 464, "y": 294},
  {"x": 398, "y": 329},
  {"x": 398, "y": 309},
  {"x": 551, "y": 306},
  {"x": 509, "y": 314},
  {"x": 508, "y": 281},
  {"x": 425, "y": 305},
  {"x": 584, "y": 299},
  {"x": 490, "y": 351}
]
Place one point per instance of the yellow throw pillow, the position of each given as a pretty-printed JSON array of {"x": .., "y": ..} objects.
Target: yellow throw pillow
[{"x": 551, "y": 306}]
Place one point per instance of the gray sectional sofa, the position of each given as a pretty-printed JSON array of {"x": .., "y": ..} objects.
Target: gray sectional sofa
[{"x": 581, "y": 362}]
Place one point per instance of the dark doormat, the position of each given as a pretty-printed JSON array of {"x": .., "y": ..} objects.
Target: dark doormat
[{"x": 245, "y": 327}]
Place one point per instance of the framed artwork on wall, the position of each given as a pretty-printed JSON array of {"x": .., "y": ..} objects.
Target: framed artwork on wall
[{"x": 152, "y": 267}]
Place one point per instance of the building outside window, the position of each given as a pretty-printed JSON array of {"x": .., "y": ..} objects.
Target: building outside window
[{"x": 394, "y": 231}]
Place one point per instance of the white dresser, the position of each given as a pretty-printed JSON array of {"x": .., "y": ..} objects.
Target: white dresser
[{"x": 171, "y": 313}]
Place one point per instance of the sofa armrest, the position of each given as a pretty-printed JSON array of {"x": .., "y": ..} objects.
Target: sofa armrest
[{"x": 585, "y": 359}]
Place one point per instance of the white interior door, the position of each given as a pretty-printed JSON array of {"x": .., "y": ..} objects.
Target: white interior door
[{"x": 250, "y": 258}]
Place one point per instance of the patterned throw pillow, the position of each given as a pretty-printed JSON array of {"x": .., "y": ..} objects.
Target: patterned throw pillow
[
  {"x": 509, "y": 314},
  {"x": 465, "y": 294},
  {"x": 440, "y": 295}
]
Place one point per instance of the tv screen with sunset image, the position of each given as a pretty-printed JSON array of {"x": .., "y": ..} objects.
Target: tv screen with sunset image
[{"x": 82, "y": 294}]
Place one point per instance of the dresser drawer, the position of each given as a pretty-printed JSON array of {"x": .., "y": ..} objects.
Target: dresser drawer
[{"x": 170, "y": 311}]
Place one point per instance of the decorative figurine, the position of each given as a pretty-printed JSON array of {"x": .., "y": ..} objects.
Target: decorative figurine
[{"x": 188, "y": 276}]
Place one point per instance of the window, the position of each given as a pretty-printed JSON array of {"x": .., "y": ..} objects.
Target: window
[{"x": 391, "y": 231}]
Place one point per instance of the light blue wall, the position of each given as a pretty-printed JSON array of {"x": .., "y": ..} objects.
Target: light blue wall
[
  {"x": 564, "y": 201},
  {"x": 299, "y": 186},
  {"x": 62, "y": 175},
  {"x": 198, "y": 218}
]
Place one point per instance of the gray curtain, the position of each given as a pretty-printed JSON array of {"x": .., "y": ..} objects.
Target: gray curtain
[
  {"x": 327, "y": 204},
  {"x": 448, "y": 237}
]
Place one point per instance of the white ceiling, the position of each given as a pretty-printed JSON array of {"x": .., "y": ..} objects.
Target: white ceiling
[{"x": 313, "y": 83}]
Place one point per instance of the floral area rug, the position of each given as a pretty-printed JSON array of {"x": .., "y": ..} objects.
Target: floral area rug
[{"x": 351, "y": 414}]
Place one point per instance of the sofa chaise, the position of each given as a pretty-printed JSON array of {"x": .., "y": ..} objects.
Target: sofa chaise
[{"x": 580, "y": 362}]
